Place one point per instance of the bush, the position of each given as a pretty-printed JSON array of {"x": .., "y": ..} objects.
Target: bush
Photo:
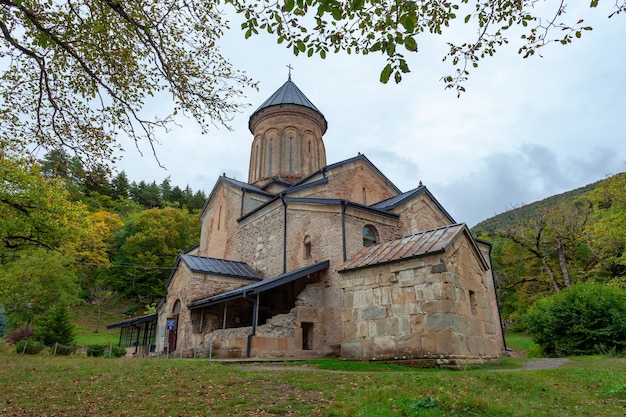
[
  {"x": 579, "y": 320},
  {"x": 21, "y": 333},
  {"x": 29, "y": 347},
  {"x": 96, "y": 350},
  {"x": 117, "y": 352}
]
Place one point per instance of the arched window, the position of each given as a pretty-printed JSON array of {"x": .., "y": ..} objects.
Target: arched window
[
  {"x": 369, "y": 236},
  {"x": 307, "y": 247}
]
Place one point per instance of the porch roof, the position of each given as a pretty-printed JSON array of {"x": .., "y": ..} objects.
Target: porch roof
[
  {"x": 133, "y": 322},
  {"x": 261, "y": 286}
]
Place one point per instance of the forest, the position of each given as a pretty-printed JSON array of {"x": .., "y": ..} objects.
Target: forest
[
  {"x": 75, "y": 235},
  {"x": 572, "y": 243}
]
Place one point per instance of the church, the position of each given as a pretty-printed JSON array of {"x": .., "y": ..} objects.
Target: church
[{"x": 309, "y": 260}]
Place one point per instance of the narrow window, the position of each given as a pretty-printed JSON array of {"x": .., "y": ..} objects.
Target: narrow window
[
  {"x": 290, "y": 154},
  {"x": 271, "y": 148},
  {"x": 364, "y": 197},
  {"x": 307, "y": 336},
  {"x": 369, "y": 236},
  {"x": 307, "y": 247},
  {"x": 473, "y": 303}
]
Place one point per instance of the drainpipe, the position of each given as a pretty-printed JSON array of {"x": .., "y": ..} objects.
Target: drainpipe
[
  {"x": 255, "y": 320},
  {"x": 344, "y": 205},
  {"x": 243, "y": 197},
  {"x": 282, "y": 198}
]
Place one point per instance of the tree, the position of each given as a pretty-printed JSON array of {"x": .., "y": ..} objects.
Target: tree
[
  {"x": 606, "y": 233},
  {"x": 79, "y": 71},
  {"x": 34, "y": 283},
  {"x": 34, "y": 210},
  {"x": 148, "y": 246},
  {"x": 392, "y": 27},
  {"x": 76, "y": 73},
  {"x": 56, "y": 326}
]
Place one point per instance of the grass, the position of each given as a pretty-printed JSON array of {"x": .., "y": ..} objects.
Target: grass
[
  {"x": 91, "y": 329},
  {"x": 74, "y": 386}
]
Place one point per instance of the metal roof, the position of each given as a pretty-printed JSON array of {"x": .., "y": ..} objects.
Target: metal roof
[
  {"x": 393, "y": 202},
  {"x": 419, "y": 244},
  {"x": 261, "y": 286},
  {"x": 361, "y": 157},
  {"x": 133, "y": 322},
  {"x": 288, "y": 93},
  {"x": 214, "y": 266}
]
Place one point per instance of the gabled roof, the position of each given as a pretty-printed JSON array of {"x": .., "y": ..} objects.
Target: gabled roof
[
  {"x": 261, "y": 286},
  {"x": 223, "y": 267},
  {"x": 420, "y": 244},
  {"x": 360, "y": 157},
  {"x": 400, "y": 199},
  {"x": 243, "y": 186},
  {"x": 215, "y": 266},
  {"x": 288, "y": 93}
]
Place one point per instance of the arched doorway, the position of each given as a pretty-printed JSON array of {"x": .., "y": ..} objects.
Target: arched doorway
[{"x": 171, "y": 327}]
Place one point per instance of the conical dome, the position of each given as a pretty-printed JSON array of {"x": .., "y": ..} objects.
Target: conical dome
[{"x": 287, "y": 143}]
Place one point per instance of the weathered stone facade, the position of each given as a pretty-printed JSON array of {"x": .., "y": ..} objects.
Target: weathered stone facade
[{"x": 282, "y": 271}]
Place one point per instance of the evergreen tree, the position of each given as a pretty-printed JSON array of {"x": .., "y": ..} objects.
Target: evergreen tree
[{"x": 56, "y": 326}]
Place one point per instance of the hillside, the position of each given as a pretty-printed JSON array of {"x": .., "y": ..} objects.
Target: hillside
[{"x": 506, "y": 219}]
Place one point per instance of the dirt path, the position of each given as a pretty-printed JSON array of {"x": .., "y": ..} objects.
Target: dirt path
[{"x": 546, "y": 363}]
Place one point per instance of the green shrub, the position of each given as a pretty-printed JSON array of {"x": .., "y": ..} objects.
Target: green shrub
[
  {"x": 96, "y": 350},
  {"x": 29, "y": 347},
  {"x": 117, "y": 352},
  {"x": 579, "y": 319}
]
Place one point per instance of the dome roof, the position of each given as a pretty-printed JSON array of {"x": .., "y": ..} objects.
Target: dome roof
[{"x": 288, "y": 93}]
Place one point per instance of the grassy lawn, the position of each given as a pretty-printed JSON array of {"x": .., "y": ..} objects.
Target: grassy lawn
[{"x": 73, "y": 386}]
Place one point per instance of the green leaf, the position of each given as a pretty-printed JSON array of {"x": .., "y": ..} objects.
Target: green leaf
[
  {"x": 410, "y": 44},
  {"x": 385, "y": 74},
  {"x": 467, "y": 18},
  {"x": 289, "y": 5},
  {"x": 336, "y": 12}
]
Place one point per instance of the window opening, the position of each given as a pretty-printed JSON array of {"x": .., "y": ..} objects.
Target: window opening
[
  {"x": 473, "y": 302},
  {"x": 369, "y": 236},
  {"x": 307, "y": 336},
  {"x": 307, "y": 247}
]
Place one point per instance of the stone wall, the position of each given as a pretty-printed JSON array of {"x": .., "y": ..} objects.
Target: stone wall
[{"x": 436, "y": 306}]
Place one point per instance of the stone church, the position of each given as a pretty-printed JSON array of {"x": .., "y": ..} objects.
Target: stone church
[{"x": 308, "y": 259}]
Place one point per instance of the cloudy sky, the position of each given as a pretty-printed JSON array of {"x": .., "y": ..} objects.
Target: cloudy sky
[{"x": 524, "y": 130}]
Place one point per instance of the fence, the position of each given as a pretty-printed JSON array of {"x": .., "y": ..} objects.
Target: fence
[{"x": 58, "y": 349}]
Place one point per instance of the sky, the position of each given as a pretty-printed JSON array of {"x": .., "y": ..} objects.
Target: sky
[{"x": 525, "y": 129}]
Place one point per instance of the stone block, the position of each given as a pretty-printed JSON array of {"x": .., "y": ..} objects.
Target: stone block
[
  {"x": 428, "y": 307},
  {"x": 352, "y": 349},
  {"x": 383, "y": 346},
  {"x": 347, "y": 315},
  {"x": 348, "y": 299},
  {"x": 444, "y": 342},
  {"x": 381, "y": 327},
  {"x": 408, "y": 308},
  {"x": 450, "y": 277},
  {"x": 349, "y": 330},
  {"x": 446, "y": 306},
  {"x": 362, "y": 329},
  {"x": 429, "y": 343},
  {"x": 282, "y": 343},
  {"x": 393, "y": 326},
  {"x": 409, "y": 264},
  {"x": 408, "y": 345},
  {"x": 437, "y": 322},
  {"x": 373, "y": 312}
]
